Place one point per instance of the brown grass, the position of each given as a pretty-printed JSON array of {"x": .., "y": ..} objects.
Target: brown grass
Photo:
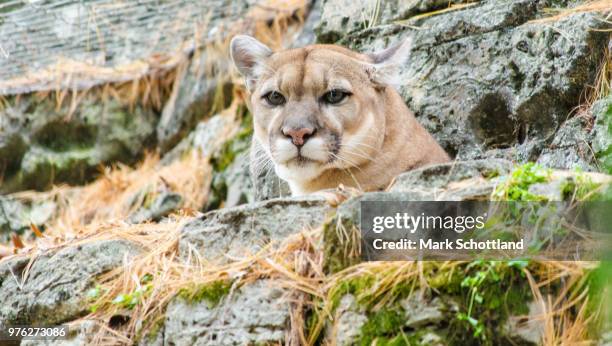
[{"x": 601, "y": 6}]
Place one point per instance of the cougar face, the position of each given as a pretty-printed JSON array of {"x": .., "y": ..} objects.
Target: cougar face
[{"x": 316, "y": 109}]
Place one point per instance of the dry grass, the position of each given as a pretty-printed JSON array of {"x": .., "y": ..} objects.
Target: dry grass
[
  {"x": 450, "y": 8},
  {"x": 601, "y": 6},
  {"x": 293, "y": 264},
  {"x": 602, "y": 87}
]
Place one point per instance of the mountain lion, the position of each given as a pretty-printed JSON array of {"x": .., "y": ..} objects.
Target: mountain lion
[{"x": 325, "y": 115}]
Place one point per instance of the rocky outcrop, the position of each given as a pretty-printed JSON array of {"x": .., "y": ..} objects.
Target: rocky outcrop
[
  {"x": 256, "y": 313},
  {"x": 237, "y": 232},
  {"x": 41, "y": 145},
  {"x": 48, "y": 140},
  {"x": 51, "y": 288},
  {"x": 485, "y": 79}
]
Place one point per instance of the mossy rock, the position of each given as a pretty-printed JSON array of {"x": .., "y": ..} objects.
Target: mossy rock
[{"x": 44, "y": 145}]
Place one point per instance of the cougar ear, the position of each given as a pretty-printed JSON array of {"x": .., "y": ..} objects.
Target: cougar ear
[
  {"x": 247, "y": 55},
  {"x": 386, "y": 64}
]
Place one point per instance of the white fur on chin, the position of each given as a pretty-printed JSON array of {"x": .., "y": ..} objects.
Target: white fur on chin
[{"x": 294, "y": 172}]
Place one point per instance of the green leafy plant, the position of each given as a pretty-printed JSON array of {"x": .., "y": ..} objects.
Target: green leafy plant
[{"x": 516, "y": 186}]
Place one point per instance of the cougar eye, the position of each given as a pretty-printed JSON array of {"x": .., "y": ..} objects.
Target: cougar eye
[
  {"x": 335, "y": 96},
  {"x": 274, "y": 98}
]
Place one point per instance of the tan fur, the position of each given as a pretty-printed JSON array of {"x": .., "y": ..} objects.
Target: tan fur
[{"x": 375, "y": 135}]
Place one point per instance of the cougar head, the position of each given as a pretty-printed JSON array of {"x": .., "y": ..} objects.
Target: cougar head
[{"x": 316, "y": 108}]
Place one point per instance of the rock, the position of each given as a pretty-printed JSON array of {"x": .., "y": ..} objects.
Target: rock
[
  {"x": 527, "y": 329},
  {"x": 163, "y": 204},
  {"x": 552, "y": 191},
  {"x": 16, "y": 215},
  {"x": 339, "y": 18},
  {"x": 13, "y": 218},
  {"x": 196, "y": 93},
  {"x": 432, "y": 339},
  {"x": 79, "y": 334},
  {"x": 205, "y": 138},
  {"x": 485, "y": 80},
  {"x": 257, "y": 313},
  {"x": 457, "y": 180},
  {"x": 40, "y": 145},
  {"x": 238, "y": 231},
  {"x": 347, "y": 323},
  {"x": 570, "y": 147},
  {"x": 234, "y": 185},
  {"x": 54, "y": 290},
  {"x": 268, "y": 185},
  {"x": 230, "y": 165},
  {"x": 307, "y": 35},
  {"x": 602, "y": 133},
  {"x": 421, "y": 312}
]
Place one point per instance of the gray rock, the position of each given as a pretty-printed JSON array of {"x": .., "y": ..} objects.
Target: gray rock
[
  {"x": 204, "y": 138},
  {"x": 13, "y": 218},
  {"x": 79, "y": 334},
  {"x": 606, "y": 339},
  {"x": 238, "y": 183},
  {"x": 484, "y": 80},
  {"x": 349, "y": 319},
  {"x": 602, "y": 133},
  {"x": 552, "y": 191},
  {"x": 163, "y": 204},
  {"x": 307, "y": 35},
  {"x": 16, "y": 215},
  {"x": 527, "y": 329},
  {"x": 54, "y": 290},
  {"x": 245, "y": 229},
  {"x": 156, "y": 339},
  {"x": 230, "y": 165},
  {"x": 339, "y": 18},
  {"x": 40, "y": 145},
  {"x": 257, "y": 313},
  {"x": 196, "y": 93},
  {"x": 457, "y": 180},
  {"x": 267, "y": 184},
  {"x": 239, "y": 186},
  {"x": 420, "y": 312},
  {"x": 570, "y": 148}
]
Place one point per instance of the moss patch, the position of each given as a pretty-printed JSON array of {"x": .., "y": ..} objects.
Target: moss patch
[
  {"x": 384, "y": 327},
  {"x": 210, "y": 293}
]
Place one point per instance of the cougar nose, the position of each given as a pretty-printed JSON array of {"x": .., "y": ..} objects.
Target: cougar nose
[{"x": 298, "y": 136}]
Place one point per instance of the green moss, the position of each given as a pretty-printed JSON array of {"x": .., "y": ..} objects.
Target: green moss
[
  {"x": 383, "y": 327},
  {"x": 210, "y": 293}
]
